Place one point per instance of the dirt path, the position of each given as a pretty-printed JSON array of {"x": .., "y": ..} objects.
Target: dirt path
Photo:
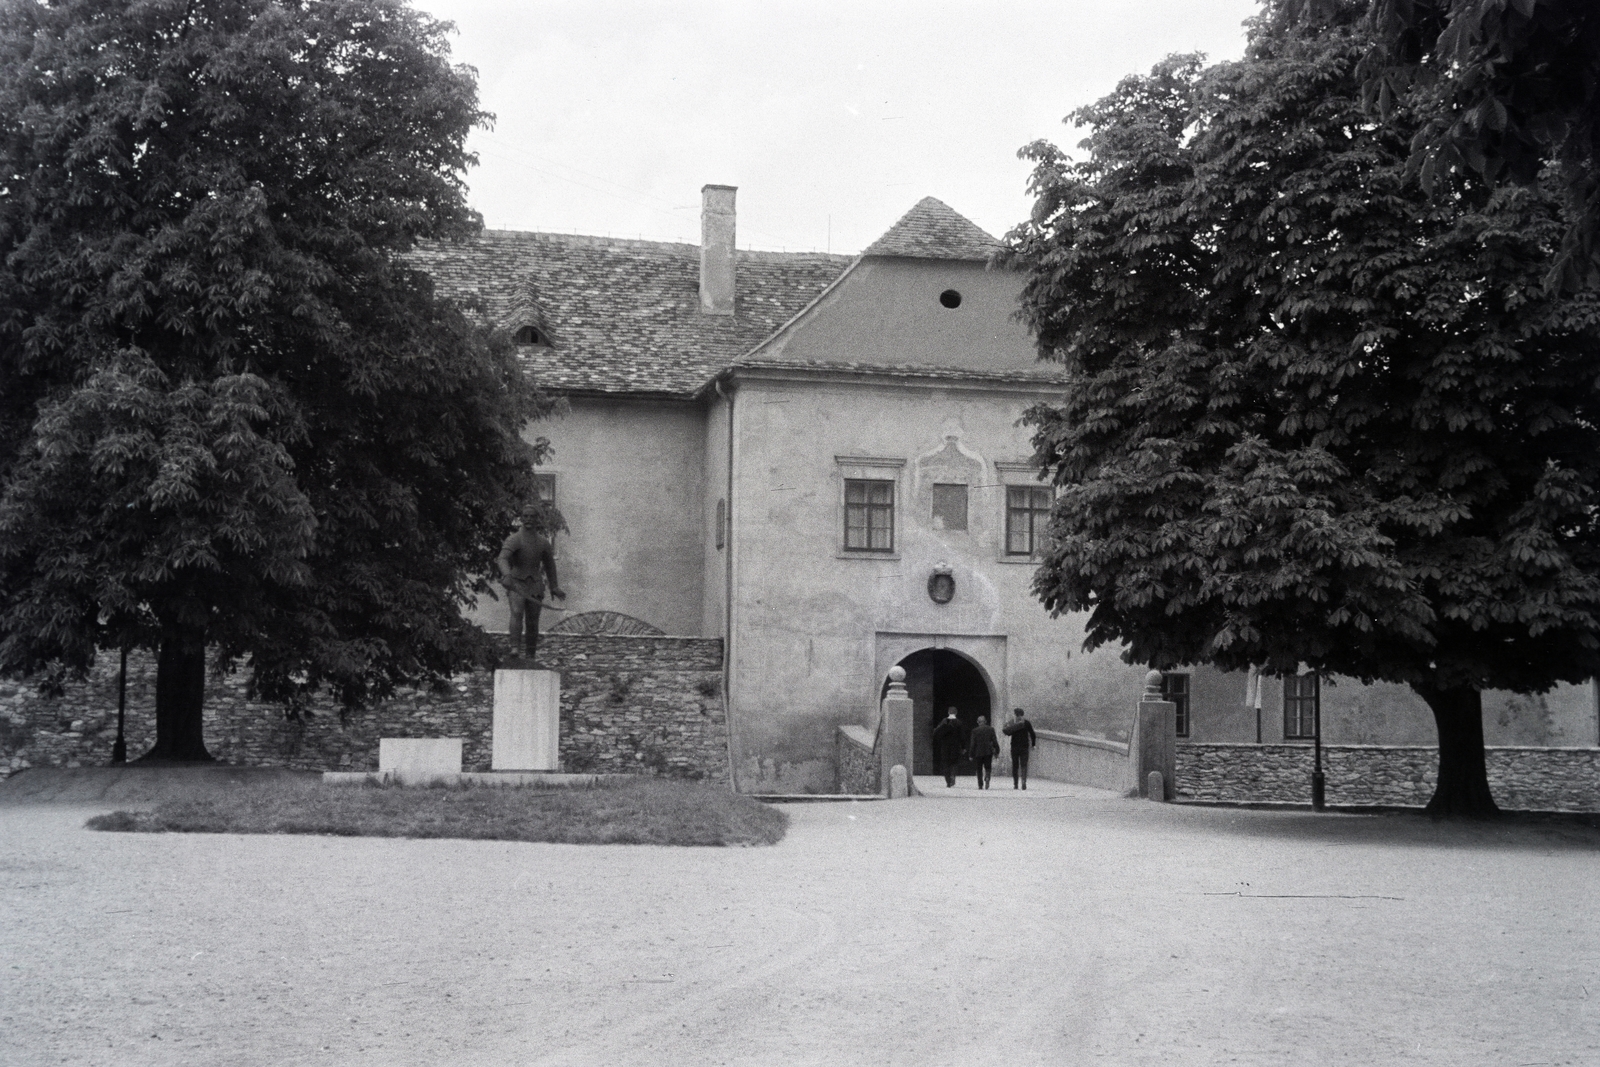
[{"x": 1080, "y": 928}]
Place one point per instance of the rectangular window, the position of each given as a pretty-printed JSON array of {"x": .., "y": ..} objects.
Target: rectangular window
[
  {"x": 949, "y": 507},
  {"x": 1300, "y": 695},
  {"x": 545, "y": 486},
  {"x": 1175, "y": 687},
  {"x": 1027, "y": 513},
  {"x": 868, "y": 515}
]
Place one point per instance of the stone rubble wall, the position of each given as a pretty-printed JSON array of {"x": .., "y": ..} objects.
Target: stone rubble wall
[
  {"x": 1521, "y": 779},
  {"x": 858, "y": 763},
  {"x": 641, "y": 705}
]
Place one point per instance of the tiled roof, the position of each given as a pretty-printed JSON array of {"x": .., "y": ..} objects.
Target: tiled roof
[
  {"x": 932, "y": 230},
  {"x": 624, "y": 316}
]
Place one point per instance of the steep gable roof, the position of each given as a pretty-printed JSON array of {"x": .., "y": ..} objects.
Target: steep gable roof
[
  {"x": 934, "y": 230},
  {"x": 624, "y": 316}
]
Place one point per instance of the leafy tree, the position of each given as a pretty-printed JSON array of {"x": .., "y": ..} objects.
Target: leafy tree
[
  {"x": 1518, "y": 86},
  {"x": 231, "y": 415},
  {"x": 1316, "y": 415}
]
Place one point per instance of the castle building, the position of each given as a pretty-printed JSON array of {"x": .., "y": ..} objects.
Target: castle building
[{"x": 820, "y": 460}]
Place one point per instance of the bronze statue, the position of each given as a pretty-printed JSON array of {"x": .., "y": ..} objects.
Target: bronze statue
[{"x": 525, "y": 559}]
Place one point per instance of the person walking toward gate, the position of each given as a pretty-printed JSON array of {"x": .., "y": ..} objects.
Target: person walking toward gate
[
  {"x": 1023, "y": 740},
  {"x": 947, "y": 747},
  {"x": 982, "y": 750}
]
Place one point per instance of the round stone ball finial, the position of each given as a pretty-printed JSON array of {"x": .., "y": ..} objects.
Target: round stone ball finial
[
  {"x": 1152, "y": 685},
  {"x": 897, "y": 684}
]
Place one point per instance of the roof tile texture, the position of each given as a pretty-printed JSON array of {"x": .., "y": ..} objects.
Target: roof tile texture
[
  {"x": 934, "y": 230},
  {"x": 624, "y": 316}
]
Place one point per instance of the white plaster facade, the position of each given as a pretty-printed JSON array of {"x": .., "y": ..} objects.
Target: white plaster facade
[{"x": 725, "y": 517}]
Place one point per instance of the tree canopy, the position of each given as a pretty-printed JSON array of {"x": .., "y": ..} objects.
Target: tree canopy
[
  {"x": 1515, "y": 87},
  {"x": 1317, "y": 416},
  {"x": 231, "y": 414}
]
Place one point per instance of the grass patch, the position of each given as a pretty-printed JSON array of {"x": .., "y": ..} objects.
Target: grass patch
[{"x": 643, "y": 811}]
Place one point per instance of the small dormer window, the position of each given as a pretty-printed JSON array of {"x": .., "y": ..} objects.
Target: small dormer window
[{"x": 530, "y": 335}]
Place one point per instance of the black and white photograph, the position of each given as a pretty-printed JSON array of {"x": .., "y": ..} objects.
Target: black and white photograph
[{"x": 716, "y": 532}]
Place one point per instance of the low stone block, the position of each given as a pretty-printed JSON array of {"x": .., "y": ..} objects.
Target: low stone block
[
  {"x": 419, "y": 755},
  {"x": 1155, "y": 788}
]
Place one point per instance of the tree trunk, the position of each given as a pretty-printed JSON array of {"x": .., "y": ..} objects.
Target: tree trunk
[
  {"x": 180, "y": 696},
  {"x": 1462, "y": 791}
]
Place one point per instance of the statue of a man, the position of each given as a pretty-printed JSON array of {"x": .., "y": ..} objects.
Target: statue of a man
[{"x": 525, "y": 559}]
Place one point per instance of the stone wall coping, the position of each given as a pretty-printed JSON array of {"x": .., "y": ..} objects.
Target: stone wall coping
[
  {"x": 859, "y": 736},
  {"x": 1087, "y": 742},
  {"x": 548, "y": 636}
]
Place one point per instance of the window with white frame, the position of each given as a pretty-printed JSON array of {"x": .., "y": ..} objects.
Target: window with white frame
[
  {"x": 869, "y": 502},
  {"x": 1021, "y": 512},
  {"x": 868, "y": 515},
  {"x": 1300, "y": 695},
  {"x": 1175, "y": 688},
  {"x": 1027, "y": 517}
]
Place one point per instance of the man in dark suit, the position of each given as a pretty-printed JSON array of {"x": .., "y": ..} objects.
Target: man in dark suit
[
  {"x": 1023, "y": 740},
  {"x": 982, "y": 750},
  {"x": 525, "y": 558},
  {"x": 947, "y": 747}
]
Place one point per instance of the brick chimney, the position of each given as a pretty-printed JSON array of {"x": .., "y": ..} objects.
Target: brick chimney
[{"x": 716, "y": 249}]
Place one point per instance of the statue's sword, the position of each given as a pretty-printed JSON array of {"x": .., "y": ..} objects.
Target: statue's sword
[{"x": 519, "y": 586}]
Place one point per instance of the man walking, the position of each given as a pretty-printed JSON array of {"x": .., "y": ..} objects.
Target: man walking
[
  {"x": 1023, "y": 739},
  {"x": 947, "y": 747},
  {"x": 525, "y": 559},
  {"x": 982, "y": 749}
]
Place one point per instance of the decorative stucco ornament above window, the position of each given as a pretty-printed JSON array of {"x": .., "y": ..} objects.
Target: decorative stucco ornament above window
[{"x": 941, "y": 584}]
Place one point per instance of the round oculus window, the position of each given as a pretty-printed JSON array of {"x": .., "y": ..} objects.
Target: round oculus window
[{"x": 950, "y": 298}]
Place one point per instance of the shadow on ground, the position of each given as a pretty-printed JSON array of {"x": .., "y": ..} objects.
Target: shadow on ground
[
  {"x": 1401, "y": 829},
  {"x": 136, "y": 785}
]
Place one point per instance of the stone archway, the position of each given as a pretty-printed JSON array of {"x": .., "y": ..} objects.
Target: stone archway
[{"x": 937, "y": 679}]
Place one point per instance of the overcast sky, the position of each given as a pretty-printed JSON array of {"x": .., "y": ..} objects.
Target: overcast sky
[{"x": 832, "y": 118}]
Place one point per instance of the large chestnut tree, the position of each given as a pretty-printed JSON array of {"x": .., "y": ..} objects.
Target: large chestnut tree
[
  {"x": 233, "y": 420},
  {"x": 1318, "y": 415}
]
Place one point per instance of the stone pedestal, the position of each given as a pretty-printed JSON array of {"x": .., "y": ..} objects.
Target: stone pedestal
[
  {"x": 527, "y": 721},
  {"x": 895, "y": 734},
  {"x": 1154, "y": 745}
]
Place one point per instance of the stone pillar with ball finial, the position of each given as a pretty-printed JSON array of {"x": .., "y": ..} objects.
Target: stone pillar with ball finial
[
  {"x": 895, "y": 736},
  {"x": 1153, "y": 749}
]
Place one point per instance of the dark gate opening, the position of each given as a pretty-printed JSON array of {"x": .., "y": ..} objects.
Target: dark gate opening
[{"x": 939, "y": 679}]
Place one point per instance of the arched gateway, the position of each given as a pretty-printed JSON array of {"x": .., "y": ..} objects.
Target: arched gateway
[{"x": 939, "y": 679}]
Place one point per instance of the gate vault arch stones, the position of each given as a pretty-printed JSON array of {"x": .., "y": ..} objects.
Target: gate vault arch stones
[{"x": 984, "y": 654}]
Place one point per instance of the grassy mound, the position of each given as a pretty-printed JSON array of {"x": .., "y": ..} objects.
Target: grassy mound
[{"x": 632, "y": 812}]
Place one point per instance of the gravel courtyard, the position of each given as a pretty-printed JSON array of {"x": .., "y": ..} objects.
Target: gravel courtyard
[{"x": 1068, "y": 927}]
